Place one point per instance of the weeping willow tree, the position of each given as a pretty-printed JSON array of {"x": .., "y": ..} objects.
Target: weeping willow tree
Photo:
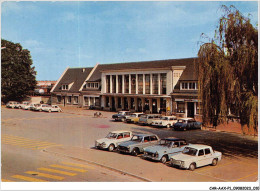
[{"x": 228, "y": 71}]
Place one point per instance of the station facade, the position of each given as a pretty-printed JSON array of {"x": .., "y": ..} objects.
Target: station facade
[{"x": 162, "y": 86}]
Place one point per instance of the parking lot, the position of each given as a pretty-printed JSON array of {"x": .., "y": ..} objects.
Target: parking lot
[{"x": 73, "y": 132}]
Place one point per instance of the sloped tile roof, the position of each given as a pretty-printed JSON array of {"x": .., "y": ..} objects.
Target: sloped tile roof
[
  {"x": 76, "y": 75},
  {"x": 188, "y": 62}
]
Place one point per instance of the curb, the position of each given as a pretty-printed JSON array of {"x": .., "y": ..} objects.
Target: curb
[{"x": 101, "y": 165}]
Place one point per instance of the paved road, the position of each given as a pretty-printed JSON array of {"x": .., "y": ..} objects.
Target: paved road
[{"x": 27, "y": 134}]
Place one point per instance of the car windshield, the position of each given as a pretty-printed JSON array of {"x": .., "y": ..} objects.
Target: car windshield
[
  {"x": 164, "y": 118},
  {"x": 189, "y": 151},
  {"x": 132, "y": 115},
  {"x": 165, "y": 143},
  {"x": 137, "y": 138},
  {"x": 111, "y": 135}
]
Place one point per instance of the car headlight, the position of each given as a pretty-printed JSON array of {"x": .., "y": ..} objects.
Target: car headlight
[{"x": 103, "y": 144}]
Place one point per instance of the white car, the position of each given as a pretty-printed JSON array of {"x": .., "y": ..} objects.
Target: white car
[
  {"x": 40, "y": 107},
  {"x": 12, "y": 104},
  {"x": 23, "y": 104},
  {"x": 29, "y": 106},
  {"x": 165, "y": 121},
  {"x": 196, "y": 155},
  {"x": 52, "y": 108},
  {"x": 112, "y": 140}
]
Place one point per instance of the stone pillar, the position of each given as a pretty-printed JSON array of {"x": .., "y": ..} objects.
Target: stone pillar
[
  {"x": 151, "y": 84},
  {"x": 123, "y": 83},
  {"x": 136, "y": 84},
  {"x": 111, "y": 84},
  {"x": 117, "y": 84},
  {"x": 150, "y": 105},
  {"x": 130, "y": 91},
  {"x": 135, "y": 104},
  {"x": 110, "y": 102},
  {"x": 159, "y": 84},
  {"x": 129, "y": 103},
  {"x": 143, "y": 83},
  {"x": 116, "y": 102}
]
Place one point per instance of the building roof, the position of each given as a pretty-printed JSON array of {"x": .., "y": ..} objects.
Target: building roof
[
  {"x": 157, "y": 64},
  {"x": 77, "y": 76}
]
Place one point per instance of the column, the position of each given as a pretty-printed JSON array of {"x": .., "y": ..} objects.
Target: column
[
  {"x": 136, "y": 84},
  {"x": 116, "y": 102},
  {"x": 159, "y": 83},
  {"x": 151, "y": 84},
  {"x": 130, "y": 84},
  {"x": 111, "y": 84},
  {"x": 129, "y": 103},
  {"x": 88, "y": 101},
  {"x": 123, "y": 83},
  {"x": 117, "y": 84},
  {"x": 143, "y": 100},
  {"x": 151, "y": 105},
  {"x": 143, "y": 83},
  {"x": 123, "y": 103},
  {"x": 110, "y": 102},
  {"x": 135, "y": 104},
  {"x": 94, "y": 101}
]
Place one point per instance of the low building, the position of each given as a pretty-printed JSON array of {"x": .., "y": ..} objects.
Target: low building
[{"x": 162, "y": 86}]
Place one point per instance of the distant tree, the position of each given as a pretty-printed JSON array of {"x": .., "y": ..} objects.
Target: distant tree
[
  {"x": 18, "y": 75},
  {"x": 228, "y": 71}
]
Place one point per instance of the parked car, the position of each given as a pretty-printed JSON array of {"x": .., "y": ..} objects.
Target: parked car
[
  {"x": 11, "y": 104},
  {"x": 52, "y": 108},
  {"x": 120, "y": 116},
  {"x": 21, "y": 105},
  {"x": 134, "y": 118},
  {"x": 196, "y": 155},
  {"x": 112, "y": 140},
  {"x": 165, "y": 149},
  {"x": 147, "y": 119},
  {"x": 165, "y": 121},
  {"x": 29, "y": 106},
  {"x": 40, "y": 107},
  {"x": 137, "y": 143},
  {"x": 187, "y": 123}
]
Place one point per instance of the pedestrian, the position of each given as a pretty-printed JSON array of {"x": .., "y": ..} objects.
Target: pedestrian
[{"x": 215, "y": 121}]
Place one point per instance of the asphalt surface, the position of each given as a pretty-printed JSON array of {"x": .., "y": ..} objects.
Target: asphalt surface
[{"x": 70, "y": 136}]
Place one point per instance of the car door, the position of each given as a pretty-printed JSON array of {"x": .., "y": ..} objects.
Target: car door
[
  {"x": 208, "y": 156},
  {"x": 201, "y": 158}
]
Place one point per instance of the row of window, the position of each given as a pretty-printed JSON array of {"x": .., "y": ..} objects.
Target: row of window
[
  {"x": 91, "y": 85},
  {"x": 189, "y": 85},
  {"x": 75, "y": 99},
  {"x": 136, "y": 83}
]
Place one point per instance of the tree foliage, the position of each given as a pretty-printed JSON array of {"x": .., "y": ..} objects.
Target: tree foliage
[
  {"x": 18, "y": 75},
  {"x": 228, "y": 70}
]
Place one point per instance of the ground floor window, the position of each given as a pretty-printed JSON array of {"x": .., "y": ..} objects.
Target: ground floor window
[
  {"x": 86, "y": 99},
  {"x": 97, "y": 102},
  {"x": 198, "y": 108},
  {"x": 180, "y": 107},
  {"x": 58, "y": 99},
  {"x": 69, "y": 99},
  {"x": 119, "y": 103},
  {"x": 76, "y": 99},
  {"x": 107, "y": 102}
]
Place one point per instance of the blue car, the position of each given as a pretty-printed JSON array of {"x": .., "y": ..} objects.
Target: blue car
[
  {"x": 187, "y": 124},
  {"x": 165, "y": 149}
]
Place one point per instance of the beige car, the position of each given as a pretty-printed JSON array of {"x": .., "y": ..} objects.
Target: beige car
[{"x": 134, "y": 118}]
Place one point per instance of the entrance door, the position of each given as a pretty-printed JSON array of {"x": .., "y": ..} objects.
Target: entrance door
[
  {"x": 139, "y": 104},
  {"x": 113, "y": 108},
  {"x": 154, "y": 108},
  {"x": 190, "y": 108}
]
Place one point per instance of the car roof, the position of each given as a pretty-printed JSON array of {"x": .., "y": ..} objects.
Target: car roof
[
  {"x": 144, "y": 135},
  {"x": 174, "y": 139},
  {"x": 121, "y": 131},
  {"x": 199, "y": 146},
  {"x": 186, "y": 118}
]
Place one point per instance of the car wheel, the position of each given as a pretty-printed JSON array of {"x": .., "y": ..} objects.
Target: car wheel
[
  {"x": 192, "y": 166},
  {"x": 164, "y": 159},
  {"x": 49, "y": 111},
  {"x": 40, "y": 110},
  {"x": 59, "y": 110},
  {"x": 214, "y": 162},
  {"x": 123, "y": 119},
  {"x": 111, "y": 147},
  {"x": 184, "y": 129},
  {"x": 135, "y": 152},
  {"x": 168, "y": 126}
]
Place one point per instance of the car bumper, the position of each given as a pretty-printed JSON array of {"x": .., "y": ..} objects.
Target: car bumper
[
  {"x": 150, "y": 156},
  {"x": 100, "y": 146},
  {"x": 123, "y": 149}
]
